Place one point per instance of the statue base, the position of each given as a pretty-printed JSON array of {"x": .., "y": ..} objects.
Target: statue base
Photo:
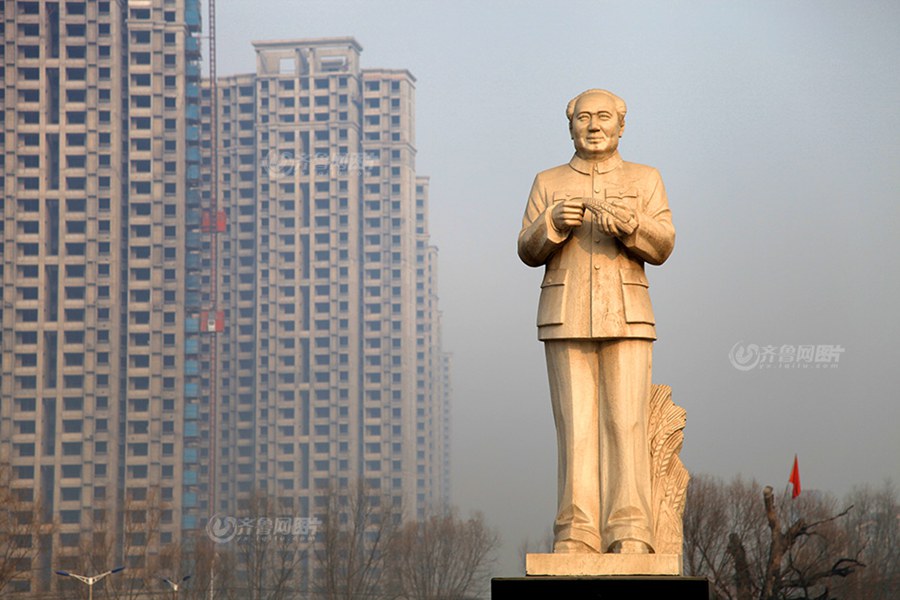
[
  {"x": 609, "y": 588},
  {"x": 580, "y": 565}
]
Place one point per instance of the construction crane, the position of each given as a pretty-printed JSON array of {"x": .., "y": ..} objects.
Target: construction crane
[{"x": 214, "y": 223}]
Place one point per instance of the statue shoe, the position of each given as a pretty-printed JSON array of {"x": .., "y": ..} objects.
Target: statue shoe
[
  {"x": 572, "y": 547},
  {"x": 629, "y": 546}
]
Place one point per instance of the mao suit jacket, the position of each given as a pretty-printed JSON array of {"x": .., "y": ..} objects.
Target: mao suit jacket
[{"x": 594, "y": 285}]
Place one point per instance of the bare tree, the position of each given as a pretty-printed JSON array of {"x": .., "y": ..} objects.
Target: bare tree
[
  {"x": 19, "y": 524},
  {"x": 357, "y": 531},
  {"x": 543, "y": 545},
  {"x": 130, "y": 537},
  {"x": 443, "y": 557},
  {"x": 874, "y": 527},
  {"x": 193, "y": 557},
  {"x": 718, "y": 515},
  {"x": 268, "y": 559},
  {"x": 804, "y": 555},
  {"x": 741, "y": 545}
]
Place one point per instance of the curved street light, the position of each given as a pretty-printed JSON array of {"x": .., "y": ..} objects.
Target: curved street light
[
  {"x": 175, "y": 585},
  {"x": 90, "y": 581}
]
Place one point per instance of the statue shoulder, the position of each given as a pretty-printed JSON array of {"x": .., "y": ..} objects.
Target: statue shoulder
[
  {"x": 639, "y": 171},
  {"x": 552, "y": 172},
  {"x": 555, "y": 174}
]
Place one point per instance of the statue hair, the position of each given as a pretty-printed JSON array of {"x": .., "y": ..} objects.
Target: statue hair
[{"x": 620, "y": 104}]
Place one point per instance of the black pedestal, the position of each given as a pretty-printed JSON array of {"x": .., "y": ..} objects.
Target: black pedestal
[{"x": 600, "y": 588}]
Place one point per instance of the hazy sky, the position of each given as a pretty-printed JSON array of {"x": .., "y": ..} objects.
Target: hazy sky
[{"x": 775, "y": 127}]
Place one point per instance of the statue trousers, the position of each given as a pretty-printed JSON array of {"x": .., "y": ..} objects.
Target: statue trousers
[{"x": 600, "y": 392}]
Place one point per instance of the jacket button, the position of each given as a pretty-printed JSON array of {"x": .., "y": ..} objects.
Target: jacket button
[{"x": 596, "y": 266}]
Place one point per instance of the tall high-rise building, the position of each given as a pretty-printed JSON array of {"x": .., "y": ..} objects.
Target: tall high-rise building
[
  {"x": 329, "y": 370},
  {"x": 331, "y": 367},
  {"x": 100, "y": 181}
]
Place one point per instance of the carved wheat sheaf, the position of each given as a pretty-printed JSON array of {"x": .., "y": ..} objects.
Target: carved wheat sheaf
[{"x": 669, "y": 478}]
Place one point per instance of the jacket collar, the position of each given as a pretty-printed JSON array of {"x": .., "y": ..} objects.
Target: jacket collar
[{"x": 604, "y": 166}]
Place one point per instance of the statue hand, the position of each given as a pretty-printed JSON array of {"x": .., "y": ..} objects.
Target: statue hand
[
  {"x": 614, "y": 218},
  {"x": 567, "y": 214},
  {"x": 625, "y": 218}
]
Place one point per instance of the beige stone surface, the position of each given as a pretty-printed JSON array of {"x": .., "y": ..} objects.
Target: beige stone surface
[
  {"x": 602, "y": 564},
  {"x": 668, "y": 477},
  {"x": 593, "y": 223}
]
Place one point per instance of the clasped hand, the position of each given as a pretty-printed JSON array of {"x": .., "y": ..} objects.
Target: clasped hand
[{"x": 615, "y": 218}]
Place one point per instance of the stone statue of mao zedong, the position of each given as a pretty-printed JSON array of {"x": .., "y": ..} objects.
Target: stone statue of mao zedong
[{"x": 593, "y": 223}]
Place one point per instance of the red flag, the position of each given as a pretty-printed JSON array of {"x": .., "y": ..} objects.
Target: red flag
[{"x": 795, "y": 478}]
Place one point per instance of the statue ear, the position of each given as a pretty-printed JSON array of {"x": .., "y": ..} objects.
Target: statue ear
[{"x": 621, "y": 127}]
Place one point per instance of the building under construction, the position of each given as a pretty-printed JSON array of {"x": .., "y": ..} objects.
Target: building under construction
[{"x": 196, "y": 311}]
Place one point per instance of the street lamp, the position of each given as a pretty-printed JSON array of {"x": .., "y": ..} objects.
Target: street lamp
[
  {"x": 90, "y": 581},
  {"x": 175, "y": 585}
]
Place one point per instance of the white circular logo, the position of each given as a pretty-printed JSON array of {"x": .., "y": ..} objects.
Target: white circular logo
[
  {"x": 744, "y": 357},
  {"x": 279, "y": 165},
  {"x": 221, "y": 529}
]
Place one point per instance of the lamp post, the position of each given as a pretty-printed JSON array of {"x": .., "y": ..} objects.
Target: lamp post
[
  {"x": 90, "y": 581},
  {"x": 175, "y": 585}
]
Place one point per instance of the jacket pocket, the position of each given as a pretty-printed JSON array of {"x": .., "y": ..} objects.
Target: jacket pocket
[
  {"x": 560, "y": 195},
  {"x": 552, "y": 305},
  {"x": 636, "y": 297}
]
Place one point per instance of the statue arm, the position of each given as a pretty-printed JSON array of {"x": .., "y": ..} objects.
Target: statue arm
[
  {"x": 539, "y": 239},
  {"x": 654, "y": 237}
]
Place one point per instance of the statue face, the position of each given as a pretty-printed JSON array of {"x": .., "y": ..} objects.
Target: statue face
[{"x": 595, "y": 127}]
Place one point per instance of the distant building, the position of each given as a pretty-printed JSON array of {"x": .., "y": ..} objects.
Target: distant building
[
  {"x": 329, "y": 369},
  {"x": 100, "y": 193},
  {"x": 331, "y": 366}
]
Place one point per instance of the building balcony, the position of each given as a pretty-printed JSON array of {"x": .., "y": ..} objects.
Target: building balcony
[
  {"x": 192, "y": 112},
  {"x": 192, "y": 71},
  {"x": 192, "y": 300},
  {"x": 193, "y": 240},
  {"x": 192, "y": 217},
  {"x": 192, "y": 18},
  {"x": 192, "y": 46},
  {"x": 192, "y": 261}
]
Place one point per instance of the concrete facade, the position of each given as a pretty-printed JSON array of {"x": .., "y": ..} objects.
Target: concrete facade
[
  {"x": 100, "y": 179},
  {"x": 329, "y": 372},
  {"x": 331, "y": 364}
]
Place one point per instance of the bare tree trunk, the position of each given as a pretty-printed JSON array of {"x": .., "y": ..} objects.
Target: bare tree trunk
[
  {"x": 776, "y": 547},
  {"x": 781, "y": 542},
  {"x": 20, "y": 526},
  {"x": 352, "y": 550},
  {"x": 744, "y": 547},
  {"x": 443, "y": 556},
  {"x": 741, "y": 567}
]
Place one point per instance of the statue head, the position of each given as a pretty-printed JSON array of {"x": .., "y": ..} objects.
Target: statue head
[{"x": 596, "y": 122}]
